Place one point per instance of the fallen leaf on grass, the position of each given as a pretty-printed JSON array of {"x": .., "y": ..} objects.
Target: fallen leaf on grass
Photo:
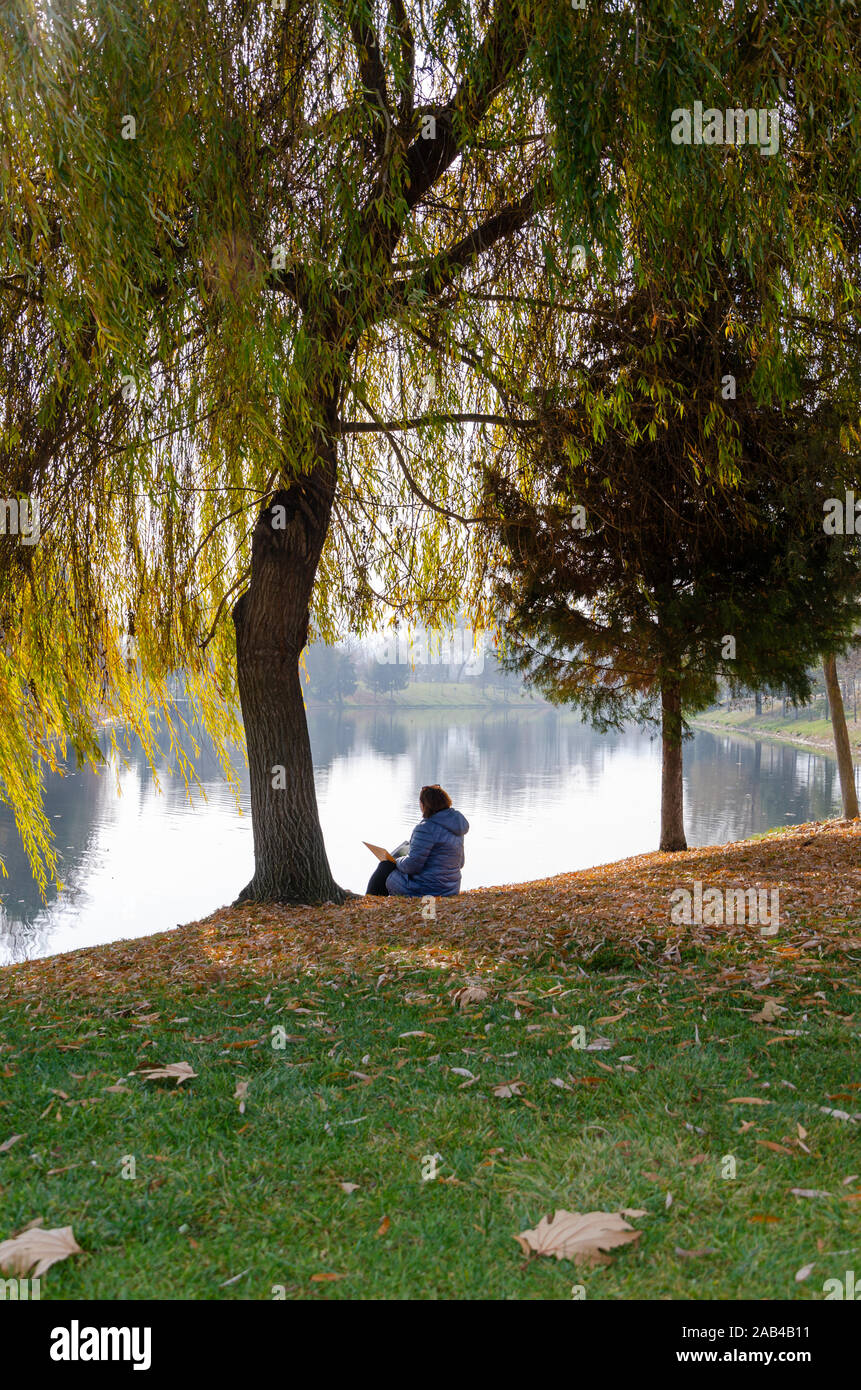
[
  {"x": 808, "y": 1192},
  {"x": 324, "y": 1278},
  {"x": 769, "y": 1012},
  {"x": 350, "y": 1186},
  {"x": 598, "y": 1045},
  {"x": 853, "y": 1177},
  {"x": 775, "y": 1148},
  {"x": 472, "y": 994},
  {"x": 37, "y": 1250},
  {"x": 804, "y": 1272},
  {"x": 236, "y": 1278},
  {"x": 508, "y": 1088},
  {"x": 748, "y": 1100},
  {"x": 7, "y": 1143},
  {"x": 695, "y": 1254},
  {"x": 581, "y": 1237},
  {"x": 839, "y": 1114},
  {"x": 240, "y": 1094},
  {"x": 178, "y": 1071},
  {"x": 384, "y": 1226}
]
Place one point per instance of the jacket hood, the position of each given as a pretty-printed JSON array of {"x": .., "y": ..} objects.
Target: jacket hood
[{"x": 451, "y": 820}]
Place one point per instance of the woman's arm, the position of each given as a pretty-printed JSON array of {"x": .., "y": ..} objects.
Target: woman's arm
[{"x": 421, "y": 844}]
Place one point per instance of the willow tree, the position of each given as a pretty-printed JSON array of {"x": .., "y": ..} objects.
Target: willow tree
[
  {"x": 236, "y": 219},
  {"x": 288, "y": 230}
]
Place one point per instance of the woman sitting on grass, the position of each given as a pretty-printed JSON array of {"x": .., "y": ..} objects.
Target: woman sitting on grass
[{"x": 432, "y": 866}]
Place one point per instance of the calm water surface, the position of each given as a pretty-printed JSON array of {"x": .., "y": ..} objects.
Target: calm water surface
[{"x": 543, "y": 793}]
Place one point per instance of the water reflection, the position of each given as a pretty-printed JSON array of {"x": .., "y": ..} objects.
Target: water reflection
[{"x": 543, "y": 793}]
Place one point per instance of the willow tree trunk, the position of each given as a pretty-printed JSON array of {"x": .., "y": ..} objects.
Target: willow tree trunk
[
  {"x": 672, "y": 786},
  {"x": 841, "y": 739},
  {"x": 271, "y": 621}
]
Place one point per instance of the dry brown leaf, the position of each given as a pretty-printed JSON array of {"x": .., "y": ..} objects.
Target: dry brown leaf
[
  {"x": 748, "y": 1100},
  {"x": 350, "y": 1186},
  {"x": 808, "y": 1192},
  {"x": 581, "y": 1237},
  {"x": 325, "y": 1278},
  {"x": 775, "y": 1148},
  {"x": 36, "y": 1249},
  {"x": 769, "y": 1012},
  {"x": 7, "y": 1143},
  {"x": 178, "y": 1071},
  {"x": 472, "y": 994},
  {"x": 804, "y": 1272},
  {"x": 384, "y": 1226},
  {"x": 508, "y": 1088}
]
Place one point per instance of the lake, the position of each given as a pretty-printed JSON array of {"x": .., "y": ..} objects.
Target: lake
[{"x": 543, "y": 792}]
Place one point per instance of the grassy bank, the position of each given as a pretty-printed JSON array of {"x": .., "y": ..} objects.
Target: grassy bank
[
  {"x": 810, "y": 733},
  {"x": 299, "y": 1168},
  {"x": 436, "y": 695}
]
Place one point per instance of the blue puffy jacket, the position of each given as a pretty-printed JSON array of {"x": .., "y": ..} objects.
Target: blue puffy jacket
[{"x": 432, "y": 867}]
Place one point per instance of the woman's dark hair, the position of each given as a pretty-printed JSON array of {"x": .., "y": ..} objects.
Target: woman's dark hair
[{"x": 433, "y": 799}]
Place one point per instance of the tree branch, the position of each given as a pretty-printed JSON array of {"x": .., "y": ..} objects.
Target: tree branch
[
  {"x": 443, "y": 269},
  {"x": 371, "y": 69},
  {"x": 369, "y": 427},
  {"x": 407, "y": 43}
]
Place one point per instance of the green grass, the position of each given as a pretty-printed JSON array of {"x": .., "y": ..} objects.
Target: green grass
[
  {"x": 775, "y": 726},
  {"x": 219, "y": 1194}
]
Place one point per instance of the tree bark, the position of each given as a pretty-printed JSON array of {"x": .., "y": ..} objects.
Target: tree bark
[
  {"x": 757, "y": 703},
  {"x": 271, "y": 621},
  {"x": 841, "y": 739},
  {"x": 672, "y": 786}
]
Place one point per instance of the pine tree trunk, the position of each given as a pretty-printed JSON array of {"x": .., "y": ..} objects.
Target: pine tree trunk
[
  {"x": 757, "y": 703},
  {"x": 672, "y": 786},
  {"x": 841, "y": 739},
  {"x": 271, "y": 621}
]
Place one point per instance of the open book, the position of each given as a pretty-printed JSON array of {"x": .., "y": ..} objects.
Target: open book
[{"x": 381, "y": 853}]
